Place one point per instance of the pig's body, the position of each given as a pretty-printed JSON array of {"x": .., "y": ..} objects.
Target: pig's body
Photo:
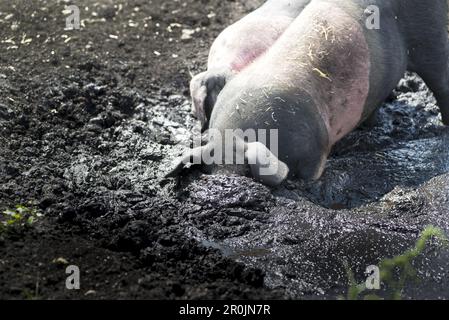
[
  {"x": 328, "y": 73},
  {"x": 237, "y": 47}
]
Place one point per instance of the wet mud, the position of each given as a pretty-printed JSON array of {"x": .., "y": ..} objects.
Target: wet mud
[{"x": 89, "y": 126}]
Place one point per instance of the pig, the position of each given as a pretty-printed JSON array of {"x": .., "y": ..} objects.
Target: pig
[
  {"x": 237, "y": 47},
  {"x": 325, "y": 75}
]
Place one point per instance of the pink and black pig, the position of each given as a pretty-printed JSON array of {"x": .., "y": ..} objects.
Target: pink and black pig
[{"x": 323, "y": 76}]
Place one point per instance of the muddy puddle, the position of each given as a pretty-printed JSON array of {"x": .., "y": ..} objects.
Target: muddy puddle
[
  {"x": 93, "y": 118},
  {"x": 382, "y": 186}
]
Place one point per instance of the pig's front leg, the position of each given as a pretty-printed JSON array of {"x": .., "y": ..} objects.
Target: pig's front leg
[{"x": 237, "y": 47}]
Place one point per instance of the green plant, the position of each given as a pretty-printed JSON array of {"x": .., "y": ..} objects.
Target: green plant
[
  {"x": 20, "y": 216},
  {"x": 399, "y": 265}
]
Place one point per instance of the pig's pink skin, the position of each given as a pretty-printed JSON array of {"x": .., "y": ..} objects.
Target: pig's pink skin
[
  {"x": 329, "y": 63},
  {"x": 329, "y": 59},
  {"x": 340, "y": 64},
  {"x": 237, "y": 47},
  {"x": 246, "y": 40}
]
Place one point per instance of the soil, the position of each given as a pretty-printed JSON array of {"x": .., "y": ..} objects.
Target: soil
[
  {"x": 91, "y": 119},
  {"x": 80, "y": 140}
]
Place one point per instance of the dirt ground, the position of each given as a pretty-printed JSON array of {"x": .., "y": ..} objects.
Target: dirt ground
[
  {"x": 66, "y": 96},
  {"x": 89, "y": 120}
]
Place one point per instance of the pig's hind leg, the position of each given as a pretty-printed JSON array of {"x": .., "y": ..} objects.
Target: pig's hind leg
[
  {"x": 429, "y": 58},
  {"x": 436, "y": 75}
]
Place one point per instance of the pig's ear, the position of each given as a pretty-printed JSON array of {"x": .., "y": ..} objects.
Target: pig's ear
[
  {"x": 198, "y": 92},
  {"x": 204, "y": 89},
  {"x": 188, "y": 159},
  {"x": 265, "y": 166}
]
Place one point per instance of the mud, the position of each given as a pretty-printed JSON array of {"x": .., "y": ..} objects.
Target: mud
[
  {"x": 381, "y": 187},
  {"x": 88, "y": 127}
]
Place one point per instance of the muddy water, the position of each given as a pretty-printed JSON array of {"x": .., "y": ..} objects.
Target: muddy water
[{"x": 381, "y": 187}]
